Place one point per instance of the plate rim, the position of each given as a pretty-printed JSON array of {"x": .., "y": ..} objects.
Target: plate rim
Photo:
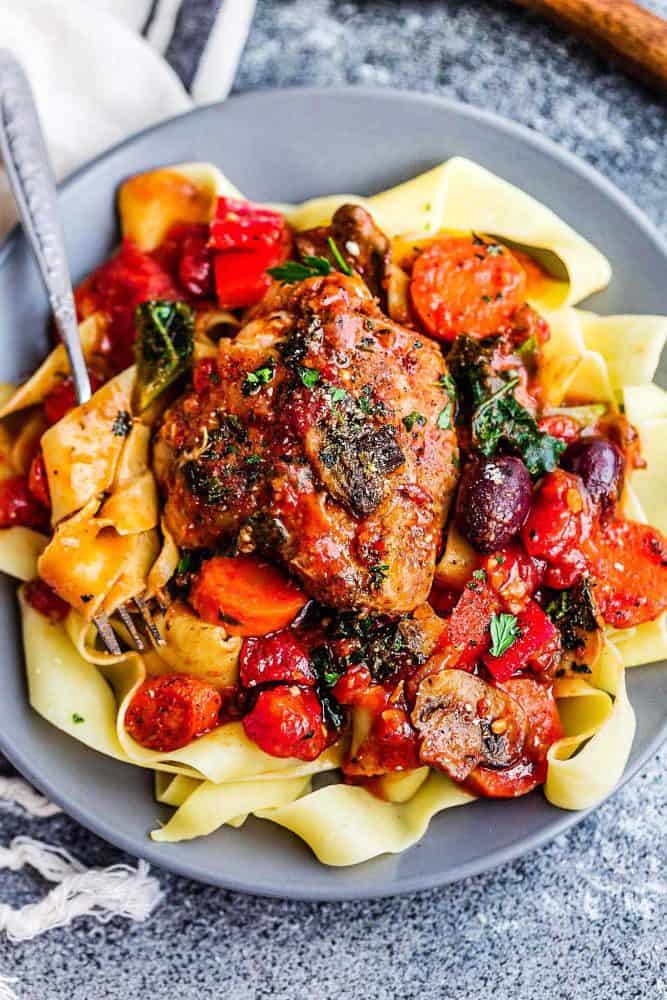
[{"x": 151, "y": 851}]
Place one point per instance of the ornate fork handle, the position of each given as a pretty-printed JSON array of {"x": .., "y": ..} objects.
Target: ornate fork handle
[{"x": 29, "y": 171}]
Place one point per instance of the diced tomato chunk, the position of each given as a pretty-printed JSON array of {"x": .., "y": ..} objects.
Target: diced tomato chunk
[
  {"x": 19, "y": 507},
  {"x": 169, "y": 711},
  {"x": 392, "y": 745},
  {"x": 62, "y": 397},
  {"x": 352, "y": 686},
  {"x": 38, "y": 483},
  {"x": 560, "y": 426},
  {"x": 117, "y": 287},
  {"x": 44, "y": 599},
  {"x": 241, "y": 225},
  {"x": 195, "y": 266},
  {"x": 287, "y": 721},
  {"x": 276, "y": 657},
  {"x": 246, "y": 595},
  {"x": 556, "y": 527},
  {"x": 513, "y": 575},
  {"x": 536, "y": 632}
]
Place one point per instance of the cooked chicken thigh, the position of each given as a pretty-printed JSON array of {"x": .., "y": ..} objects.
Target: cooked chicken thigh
[{"x": 323, "y": 439}]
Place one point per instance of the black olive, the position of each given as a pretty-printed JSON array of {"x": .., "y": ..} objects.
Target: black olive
[
  {"x": 493, "y": 501},
  {"x": 601, "y": 466}
]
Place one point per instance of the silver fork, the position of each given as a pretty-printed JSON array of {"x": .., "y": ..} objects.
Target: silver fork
[{"x": 28, "y": 167}]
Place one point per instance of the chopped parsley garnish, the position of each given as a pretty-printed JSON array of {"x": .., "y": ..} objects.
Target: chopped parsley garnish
[
  {"x": 253, "y": 459},
  {"x": 414, "y": 418},
  {"x": 163, "y": 347},
  {"x": 309, "y": 376},
  {"x": 253, "y": 381},
  {"x": 500, "y": 418},
  {"x": 341, "y": 263},
  {"x": 76, "y": 718},
  {"x": 486, "y": 298},
  {"x": 185, "y": 563},
  {"x": 122, "y": 424},
  {"x": 417, "y": 346},
  {"x": 377, "y": 575},
  {"x": 444, "y": 420},
  {"x": 573, "y": 611},
  {"x": 293, "y": 270},
  {"x": 479, "y": 574},
  {"x": 494, "y": 249},
  {"x": 337, "y": 394},
  {"x": 504, "y": 632}
]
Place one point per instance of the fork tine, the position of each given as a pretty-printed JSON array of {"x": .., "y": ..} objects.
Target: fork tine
[
  {"x": 150, "y": 624},
  {"x": 127, "y": 620},
  {"x": 107, "y": 634}
]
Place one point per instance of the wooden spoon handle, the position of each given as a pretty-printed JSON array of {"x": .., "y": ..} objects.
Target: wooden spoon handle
[{"x": 618, "y": 27}]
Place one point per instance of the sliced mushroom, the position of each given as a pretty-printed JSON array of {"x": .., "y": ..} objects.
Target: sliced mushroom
[{"x": 463, "y": 722}]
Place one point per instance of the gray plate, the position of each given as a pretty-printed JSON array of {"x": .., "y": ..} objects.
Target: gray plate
[{"x": 287, "y": 146}]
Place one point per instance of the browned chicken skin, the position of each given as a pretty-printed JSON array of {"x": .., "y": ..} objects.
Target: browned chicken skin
[{"x": 320, "y": 445}]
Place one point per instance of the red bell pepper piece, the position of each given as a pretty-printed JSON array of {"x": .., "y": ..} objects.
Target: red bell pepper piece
[
  {"x": 240, "y": 277},
  {"x": 536, "y": 630},
  {"x": 468, "y": 627},
  {"x": 240, "y": 225}
]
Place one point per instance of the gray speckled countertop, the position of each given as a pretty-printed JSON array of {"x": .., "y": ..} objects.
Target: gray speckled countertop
[{"x": 581, "y": 918}]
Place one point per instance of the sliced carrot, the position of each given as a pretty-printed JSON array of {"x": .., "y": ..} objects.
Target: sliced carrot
[
  {"x": 246, "y": 595},
  {"x": 465, "y": 285}
]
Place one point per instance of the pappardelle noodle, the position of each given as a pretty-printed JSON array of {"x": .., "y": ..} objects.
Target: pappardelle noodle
[{"x": 395, "y": 503}]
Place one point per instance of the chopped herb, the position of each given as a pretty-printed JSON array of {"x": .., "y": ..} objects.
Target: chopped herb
[
  {"x": 163, "y": 347},
  {"x": 185, "y": 563},
  {"x": 309, "y": 376},
  {"x": 122, "y": 424},
  {"x": 417, "y": 346},
  {"x": 86, "y": 598},
  {"x": 500, "y": 559},
  {"x": 573, "y": 611},
  {"x": 486, "y": 298},
  {"x": 326, "y": 665},
  {"x": 76, "y": 718},
  {"x": 253, "y": 381},
  {"x": 414, "y": 418},
  {"x": 337, "y": 394},
  {"x": 480, "y": 574},
  {"x": 444, "y": 420},
  {"x": 294, "y": 270},
  {"x": 478, "y": 241},
  {"x": 494, "y": 249},
  {"x": 338, "y": 257},
  {"x": 500, "y": 418},
  {"x": 253, "y": 459},
  {"x": 370, "y": 408},
  {"x": 504, "y": 632},
  {"x": 377, "y": 575}
]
